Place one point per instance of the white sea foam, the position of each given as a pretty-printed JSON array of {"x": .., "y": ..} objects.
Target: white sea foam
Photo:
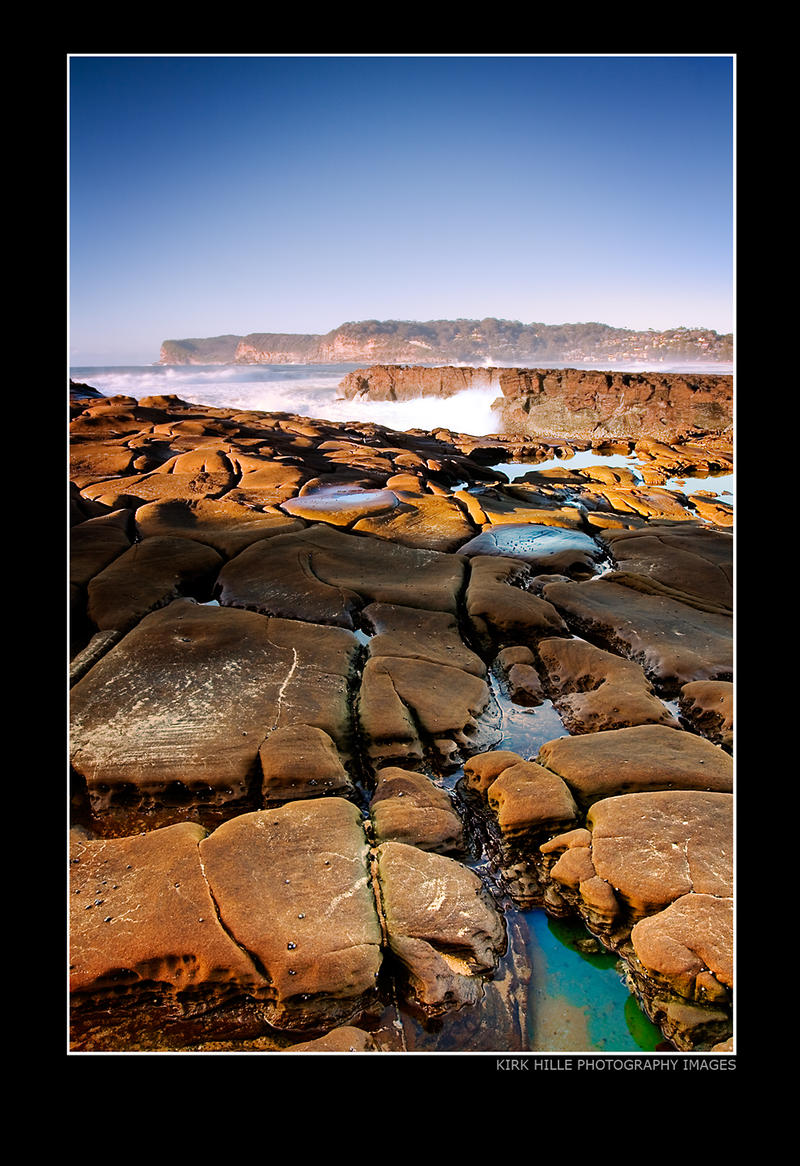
[
  {"x": 313, "y": 391},
  {"x": 310, "y": 391}
]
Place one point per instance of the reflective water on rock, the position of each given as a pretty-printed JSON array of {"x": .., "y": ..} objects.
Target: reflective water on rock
[
  {"x": 524, "y": 730},
  {"x": 533, "y": 542}
]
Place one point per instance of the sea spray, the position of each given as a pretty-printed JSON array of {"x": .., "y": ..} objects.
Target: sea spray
[
  {"x": 313, "y": 391},
  {"x": 306, "y": 390}
]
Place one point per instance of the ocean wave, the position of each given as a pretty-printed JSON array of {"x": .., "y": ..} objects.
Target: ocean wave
[{"x": 305, "y": 390}]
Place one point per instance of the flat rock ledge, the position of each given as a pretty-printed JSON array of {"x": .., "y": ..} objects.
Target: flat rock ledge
[
  {"x": 278, "y": 920},
  {"x": 288, "y": 636},
  {"x": 649, "y": 872}
]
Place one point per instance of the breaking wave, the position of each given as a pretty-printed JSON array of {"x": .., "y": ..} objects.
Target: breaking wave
[{"x": 307, "y": 390}]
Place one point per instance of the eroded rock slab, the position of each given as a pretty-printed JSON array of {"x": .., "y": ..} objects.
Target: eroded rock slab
[
  {"x": 653, "y": 875},
  {"x": 641, "y": 758},
  {"x": 324, "y": 575},
  {"x": 146, "y": 945},
  {"x": 182, "y": 704},
  {"x": 526, "y": 797},
  {"x": 595, "y": 690},
  {"x": 407, "y": 807},
  {"x": 709, "y": 707},
  {"x": 345, "y": 1039},
  {"x": 689, "y": 945},
  {"x": 406, "y": 706},
  {"x": 648, "y": 849},
  {"x": 97, "y": 542},
  {"x": 675, "y": 643},
  {"x": 147, "y": 576},
  {"x": 300, "y": 761},
  {"x": 292, "y": 884},
  {"x": 442, "y": 926},
  {"x": 691, "y": 564},
  {"x": 501, "y": 612},
  {"x": 427, "y": 521},
  {"x": 409, "y": 633},
  {"x": 226, "y": 525}
]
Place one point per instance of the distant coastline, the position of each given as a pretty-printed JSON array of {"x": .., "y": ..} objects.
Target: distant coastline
[{"x": 483, "y": 342}]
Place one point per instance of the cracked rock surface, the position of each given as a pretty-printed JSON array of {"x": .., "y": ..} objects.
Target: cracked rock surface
[{"x": 304, "y": 814}]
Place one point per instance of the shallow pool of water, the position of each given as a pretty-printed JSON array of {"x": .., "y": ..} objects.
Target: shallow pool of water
[
  {"x": 720, "y": 485},
  {"x": 577, "y": 1000},
  {"x": 579, "y": 461}
]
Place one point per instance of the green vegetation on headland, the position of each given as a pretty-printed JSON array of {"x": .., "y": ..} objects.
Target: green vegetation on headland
[{"x": 453, "y": 341}]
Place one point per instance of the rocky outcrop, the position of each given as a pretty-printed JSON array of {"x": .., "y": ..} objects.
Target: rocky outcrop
[
  {"x": 300, "y": 654},
  {"x": 277, "y": 920},
  {"x": 569, "y": 403},
  {"x": 179, "y": 708},
  {"x": 653, "y": 876}
]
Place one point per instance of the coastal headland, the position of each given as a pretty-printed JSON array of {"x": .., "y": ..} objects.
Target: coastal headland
[
  {"x": 302, "y": 819},
  {"x": 464, "y": 342}
]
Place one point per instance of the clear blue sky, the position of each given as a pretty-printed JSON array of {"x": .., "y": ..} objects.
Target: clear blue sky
[{"x": 211, "y": 195}]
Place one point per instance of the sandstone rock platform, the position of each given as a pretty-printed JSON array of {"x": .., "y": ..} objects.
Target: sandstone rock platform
[{"x": 300, "y": 819}]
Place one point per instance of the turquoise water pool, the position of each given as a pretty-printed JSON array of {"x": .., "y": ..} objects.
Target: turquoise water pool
[{"x": 577, "y": 1000}]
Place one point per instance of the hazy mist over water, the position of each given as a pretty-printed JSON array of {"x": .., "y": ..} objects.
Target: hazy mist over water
[{"x": 313, "y": 391}]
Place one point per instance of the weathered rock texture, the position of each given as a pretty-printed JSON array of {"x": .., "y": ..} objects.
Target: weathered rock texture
[
  {"x": 643, "y": 757},
  {"x": 186, "y": 699},
  {"x": 407, "y": 807},
  {"x": 287, "y": 636},
  {"x": 292, "y": 884},
  {"x": 442, "y": 926},
  {"x": 569, "y": 403},
  {"x": 653, "y": 875}
]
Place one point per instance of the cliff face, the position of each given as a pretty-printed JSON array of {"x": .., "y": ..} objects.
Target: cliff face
[
  {"x": 386, "y": 382},
  {"x": 564, "y": 403},
  {"x": 452, "y": 341}
]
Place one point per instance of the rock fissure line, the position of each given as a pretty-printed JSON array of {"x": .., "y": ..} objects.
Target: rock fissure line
[
  {"x": 282, "y": 689},
  {"x": 256, "y": 961}
]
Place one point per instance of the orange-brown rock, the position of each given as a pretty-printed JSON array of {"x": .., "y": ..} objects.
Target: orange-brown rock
[
  {"x": 225, "y": 525},
  {"x": 502, "y": 613},
  {"x": 424, "y": 520},
  {"x": 441, "y": 925},
  {"x": 292, "y": 884},
  {"x": 482, "y": 769},
  {"x": 407, "y": 807},
  {"x": 577, "y": 403},
  {"x": 96, "y": 542},
  {"x": 301, "y": 761},
  {"x": 595, "y": 690},
  {"x": 691, "y": 564},
  {"x": 673, "y": 641},
  {"x": 148, "y": 575},
  {"x": 142, "y": 916},
  {"x": 709, "y": 706},
  {"x": 345, "y": 1039},
  {"x": 689, "y": 945},
  {"x": 408, "y": 632},
  {"x": 526, "y": 797},
  {"x": 641, "y": 758},
  {"x": 568, "y": 403},
  {"x": 181, "y": 705},
  {"x": 325, "y": 575},
  {"x": 406, "y": 705}
]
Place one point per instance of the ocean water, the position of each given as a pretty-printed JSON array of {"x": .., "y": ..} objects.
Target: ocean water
[
  {"x": 578, "y": 1000},
  {"x": 313, "y": 391}
]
